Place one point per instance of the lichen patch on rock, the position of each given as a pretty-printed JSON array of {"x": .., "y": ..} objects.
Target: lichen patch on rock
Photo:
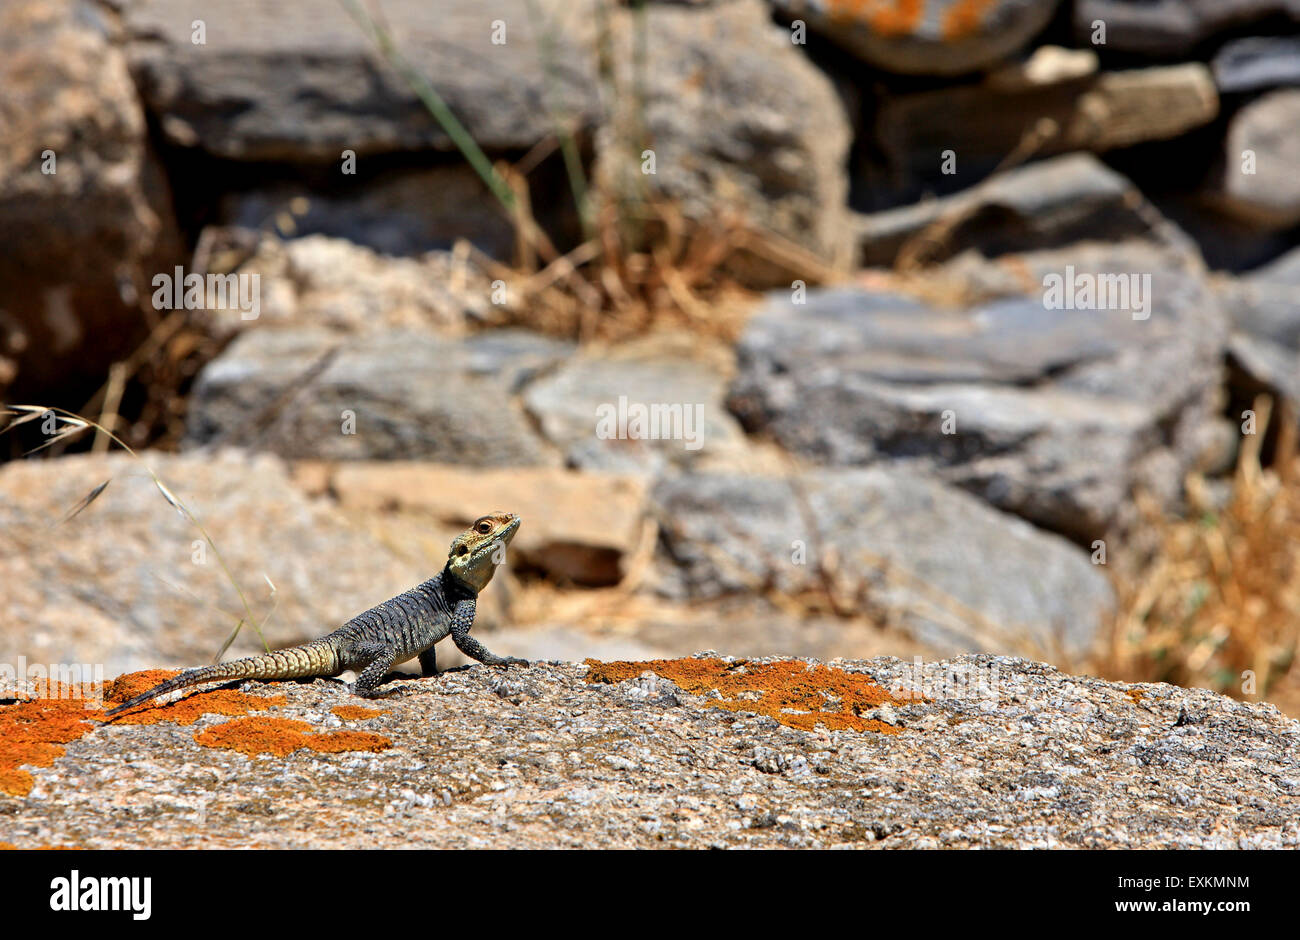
[
  {"x": 357, "y": 712},
  {"x": 189, "y": 709},
  {"x": 33, "y": 734},
  {"x": 794, "y": 693},
  {"x": 283, "y": 736}
]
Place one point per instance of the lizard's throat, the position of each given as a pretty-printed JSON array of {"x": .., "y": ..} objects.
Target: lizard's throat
[{"x": 473, "y": 577}]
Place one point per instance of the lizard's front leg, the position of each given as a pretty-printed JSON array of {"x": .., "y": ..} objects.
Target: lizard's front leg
[
  {"x": 462, "y": 619},
  {"x": 429, "y": 663}
]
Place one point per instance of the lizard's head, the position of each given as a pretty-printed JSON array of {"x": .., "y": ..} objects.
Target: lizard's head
[{"x": 477, "y": 551}]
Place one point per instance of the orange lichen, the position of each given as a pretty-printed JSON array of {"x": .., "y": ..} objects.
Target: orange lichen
[
  {"x": 793, "y": 693},
  {"x": 1136, "y": 695},
  {"x": 283, "y": 736},
  {"x": 33, "y": 733},
  {"x": 886, "y": 17},
  {"x": 964, "y": 18},
  {"x": 356, "y": 712},
  {"x": 189, "y": 709}
]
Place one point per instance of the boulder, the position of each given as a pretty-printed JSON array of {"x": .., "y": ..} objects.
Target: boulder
[
  {"x": 1258, "y": 182},
  {"x": 300, "y": 84},
  {"x": 738, "y": 121},
  {"x": 85, "y": 213},
  {"x": 1264, "y": 307},
  {"x": 930, "y": 37},
  {"x": 1257, "y": 63},
  {"x": 1175, "y": 27},
  {"x": 984, "y": 124},
  {"x": 1054, "y": 414},
  {"x": 308, "y": 392},
  {"x": 913, "y": 552},
  {"x": 398, "y": 212},
  {"x": 642, "y": 408},
  {"x": 317, "y": 281},
  {"x": 1051, "y": 203}
]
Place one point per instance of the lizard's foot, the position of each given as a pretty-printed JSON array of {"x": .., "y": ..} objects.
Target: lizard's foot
[{"x": 513, "y": 661}]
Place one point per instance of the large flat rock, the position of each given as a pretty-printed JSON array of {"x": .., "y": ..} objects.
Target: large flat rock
[{"x": 1003, "y": 753}]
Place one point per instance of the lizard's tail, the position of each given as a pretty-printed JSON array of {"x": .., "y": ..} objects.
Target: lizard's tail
[{"x": 310, "y": 659}]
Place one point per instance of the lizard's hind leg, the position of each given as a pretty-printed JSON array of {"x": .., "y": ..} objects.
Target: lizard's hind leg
[{"x": 381, "y": 660}]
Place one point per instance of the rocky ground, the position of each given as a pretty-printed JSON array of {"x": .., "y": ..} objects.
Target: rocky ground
[{"x": 978, "y": 751}]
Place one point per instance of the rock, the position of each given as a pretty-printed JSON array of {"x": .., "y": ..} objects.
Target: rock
[
  {"x": 1171, "y": 28},
  {"x": 317, "y": 281},
  {"x": 639, "y": 408},
  {"x": 84, "y": 210},
  {"x": 1257, "y": 63},
  {"x": 401, "y": 212},
  {"x": 1260, "y": 366},
  {"x": 1052, "y": 203},
  {"x": 981, "y": 124},
  {"x": 750, "y": 626},
  {"x": 914, "y": 552},
  {"x": 307, "y": 392},
  {"x": 1003, "y": 753},
  {"x": 1053, "y": 414},
  {"x": 295, "y": 84},
  {"x": 931, "y": 37},
  {"x": 739, "y": 121},
  {"x": 1258, "y": 182},
  {"x": 129, "y": 584},
  {"x": 582, "y": 528},
  {"x": 1265, "y": 343},
  {"x": 1266, "y": 302},
  {"x": 1226, "y": 241}
]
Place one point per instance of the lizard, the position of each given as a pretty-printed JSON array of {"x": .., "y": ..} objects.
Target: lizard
[{"x": 399, "y": 629}]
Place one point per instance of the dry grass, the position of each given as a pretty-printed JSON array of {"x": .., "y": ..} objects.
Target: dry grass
[
  {"x": 678, "y": 273},
  {"x": 1219, "y": 601}
]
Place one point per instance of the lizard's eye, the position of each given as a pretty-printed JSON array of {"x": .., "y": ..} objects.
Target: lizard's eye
[{"x": 483, "y": 528}]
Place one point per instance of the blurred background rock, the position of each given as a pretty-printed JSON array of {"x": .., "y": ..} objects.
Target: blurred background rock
[{"x": 820, "y": 227}]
